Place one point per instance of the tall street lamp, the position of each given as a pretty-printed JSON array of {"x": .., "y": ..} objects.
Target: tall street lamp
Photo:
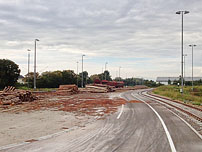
[
  {"x": 102, "y": 73},
  {"x": 192, "y": 46},
  {"x": 77, "y": 73},
  {"x": 105, "y": 70},
  {"x": 28, "y": 66},
  {"x": 182, "y": 12},
  {"x": 82, "y": 71},
  {"x": 120, "y": 73},
  {"x": 184, "y": 69},
  {"x": 35, "y": 63}
]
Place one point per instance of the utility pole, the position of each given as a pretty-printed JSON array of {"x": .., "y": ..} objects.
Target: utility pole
[
  {"x": 35, "y": 63},
  {"x": 182, "y": 13}
]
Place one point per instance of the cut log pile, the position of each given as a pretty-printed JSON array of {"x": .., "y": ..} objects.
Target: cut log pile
[
  {"x": 99, "y": 88},
  {"x": 67, "y": 89},
  {"x": 12, "y": 96}
]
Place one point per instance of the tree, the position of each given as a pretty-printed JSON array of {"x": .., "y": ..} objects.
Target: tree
[
  {"x": 69, "y": 77},
  {"x": 94, "y": 77},
  {"x": 107, "y": 75},
  {"x": 169, "y": 82},
  {"x": 50, "y": 79},
  {"x": 9, "y": 73},
  {"x": 29, "y": 78}
]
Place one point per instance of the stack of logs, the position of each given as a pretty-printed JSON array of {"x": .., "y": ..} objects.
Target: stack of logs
[
  {"x": 67, "y": 89},
  {"x": 99, "y": 88},
  {"x": 11, "y": 96}
]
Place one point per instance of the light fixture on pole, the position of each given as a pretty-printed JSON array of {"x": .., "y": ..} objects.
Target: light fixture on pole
[
  {"x": 182, "y": 13},
  {"x": 192, "y": 46},
  {"x": 28, "y": 67},
  {"x": 35, "y": 63},
  {"x": 82, "y": 71},
  {"x": 106, "y": 70},
  {"x": 184, "y": 69}
]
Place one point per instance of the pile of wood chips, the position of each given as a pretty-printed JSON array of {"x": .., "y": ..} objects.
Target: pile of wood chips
[{"x": 12, "y": 96}]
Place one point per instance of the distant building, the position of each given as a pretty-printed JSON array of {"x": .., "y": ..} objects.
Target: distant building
[
  {"x": 164, "y": 80},
  {"x": 20, "y": 79}
]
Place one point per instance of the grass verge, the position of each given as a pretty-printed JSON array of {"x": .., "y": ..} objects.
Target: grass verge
[
  {"x": 193, "y": 97},
  {"x": 38, "y": 89}
]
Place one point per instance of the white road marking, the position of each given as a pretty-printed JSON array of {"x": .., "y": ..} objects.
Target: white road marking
[
  {"x": 121, "y": 111},
  {"x": 172, "y": 146}
]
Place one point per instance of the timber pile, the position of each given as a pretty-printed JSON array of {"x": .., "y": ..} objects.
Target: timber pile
[
  {"x": 98, "y": 88},
  {"x": 67, "y": 89},
  {"x": 11, "y": 96},
  {"x": 109, "y": 88}
]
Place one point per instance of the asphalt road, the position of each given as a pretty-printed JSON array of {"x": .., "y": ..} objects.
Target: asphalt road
[{"x": 135, "y": 128}]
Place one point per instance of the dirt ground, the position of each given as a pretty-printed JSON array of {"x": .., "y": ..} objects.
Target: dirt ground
[
  {"x": 23, "y": 126},
  {"x": 53, "y": 113}
]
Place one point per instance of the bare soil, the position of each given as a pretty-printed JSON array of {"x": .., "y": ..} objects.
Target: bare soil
[{"x": 52, "y": 113}]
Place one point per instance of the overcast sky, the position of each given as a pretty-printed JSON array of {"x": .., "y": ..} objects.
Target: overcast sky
[{"x": 141, "y": 36}]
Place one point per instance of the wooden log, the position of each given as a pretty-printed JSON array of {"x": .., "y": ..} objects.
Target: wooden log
[
  {"x": 7, "y": 102},
  {"x": 96, "y": 87}
]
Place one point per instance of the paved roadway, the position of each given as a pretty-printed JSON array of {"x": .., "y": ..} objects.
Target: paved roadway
[{"x": 135, "y": 128}]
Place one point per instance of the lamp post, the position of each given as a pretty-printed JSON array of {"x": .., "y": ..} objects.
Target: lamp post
[
  {"x": 184, "y": 69},
  {"x": 119, "y": 73},
  {"x": 77, "y": 73},
  {"x": 192, "y": 46},
  {"x": 28, "y": 66},
  {"x": 102, "y": 73},
  {"x": 105, "y": 70},
  {"x": 35, "y": 63},
  {"x": 182, "y": 12},
  {"x": 82, "y": 71}
]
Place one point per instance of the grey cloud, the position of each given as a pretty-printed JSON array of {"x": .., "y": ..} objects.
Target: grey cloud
[{"x": 114, "y": 28}]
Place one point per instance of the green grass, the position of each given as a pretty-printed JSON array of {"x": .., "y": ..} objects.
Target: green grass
[
  {"x": 38, "y": 89},
  {"x": 173, "y": 92}
]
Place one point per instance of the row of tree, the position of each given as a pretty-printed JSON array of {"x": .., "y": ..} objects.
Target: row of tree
[
  {"x": 9, "y": 73},
  {"x": 186, "y": 83},
  {"x": 56, "y": 78}
]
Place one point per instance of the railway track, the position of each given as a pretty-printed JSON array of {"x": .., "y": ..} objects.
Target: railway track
[{"x": 191, "y": 111}]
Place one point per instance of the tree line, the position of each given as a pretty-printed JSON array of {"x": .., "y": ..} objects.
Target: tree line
[{"x": 9, "y": 73}]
